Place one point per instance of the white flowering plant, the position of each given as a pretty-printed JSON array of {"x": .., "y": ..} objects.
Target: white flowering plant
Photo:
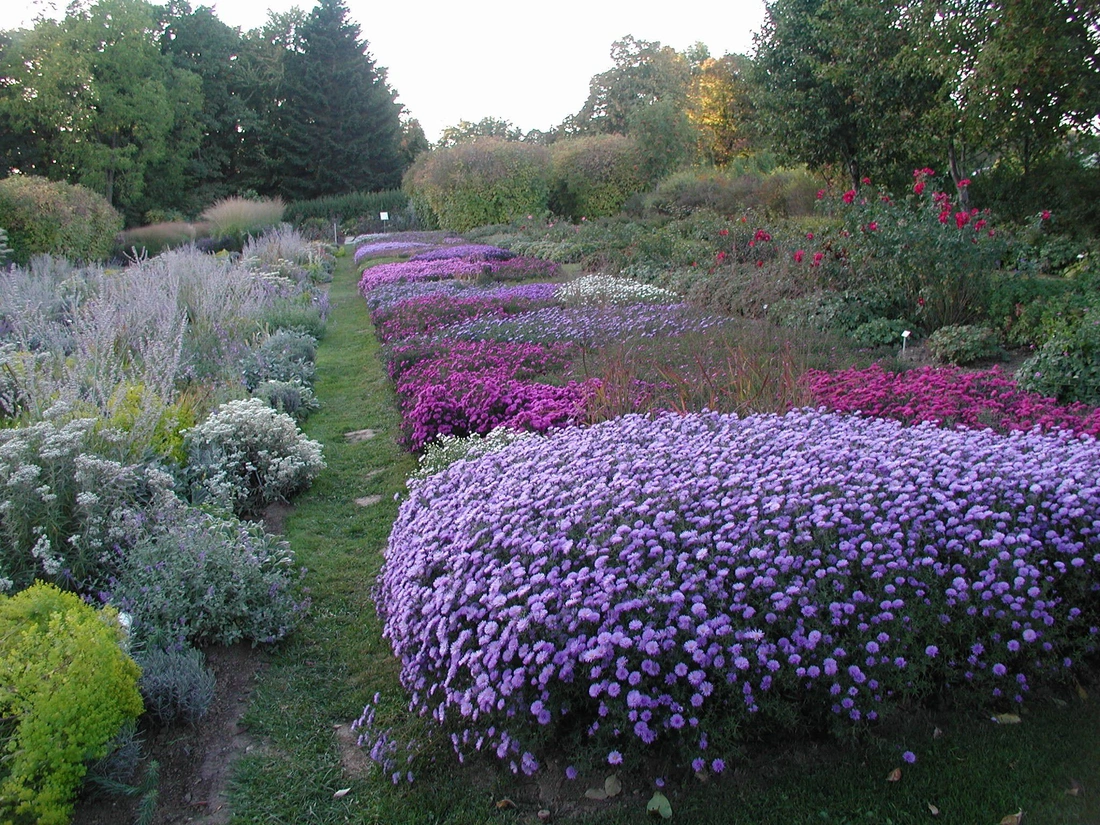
[
  {"x": 446, "y": 450},
  {"x": 247, "y": 455},
  {"x": 66, "y": 512},
  {"x": 609, "y": 289}
]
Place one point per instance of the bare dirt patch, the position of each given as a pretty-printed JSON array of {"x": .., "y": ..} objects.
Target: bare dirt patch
[
  {"x": 355, "y": 436},
  {"x": 195, "y": 763}
]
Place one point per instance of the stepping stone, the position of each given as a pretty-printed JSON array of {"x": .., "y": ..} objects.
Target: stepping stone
[
  {"x": 356, "y": 436},
  {"x": 367, "y": 501}
]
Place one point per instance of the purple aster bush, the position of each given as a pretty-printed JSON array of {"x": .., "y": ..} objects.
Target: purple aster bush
[
  {"x": 376, "y": 276},
  {"x": 653, "y": 582},
  {"x": 469, "y": 252},
  {"x": 431, "y": 313},
  {"x": 379, "y": 249},
  {"x": 589, "y": 325},
  {"x": 453, "y": 268}
]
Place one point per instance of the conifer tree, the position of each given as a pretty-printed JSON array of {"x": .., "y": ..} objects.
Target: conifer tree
[{"x": 337, "y": 127}]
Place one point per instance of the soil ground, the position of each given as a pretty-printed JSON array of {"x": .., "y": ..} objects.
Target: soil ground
[{"x": 195, "y": 763}]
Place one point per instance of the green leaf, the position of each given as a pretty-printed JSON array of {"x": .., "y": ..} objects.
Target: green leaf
[{"x": 659, "y": 806}]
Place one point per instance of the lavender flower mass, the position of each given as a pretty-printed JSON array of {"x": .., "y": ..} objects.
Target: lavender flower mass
[{"x": 647, "y": 580}]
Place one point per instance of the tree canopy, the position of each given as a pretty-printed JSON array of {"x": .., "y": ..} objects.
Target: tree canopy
[{"x": 165, "y": 109}]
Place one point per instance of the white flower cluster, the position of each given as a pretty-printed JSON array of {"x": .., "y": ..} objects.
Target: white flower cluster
[
  {"x": 446, "y": 450},
  {"x": 65, "y": 510},
  {"x": 247, "y": 454},
  {"x": 611, "y": 289}
]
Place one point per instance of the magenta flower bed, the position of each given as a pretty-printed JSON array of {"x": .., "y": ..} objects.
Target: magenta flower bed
[
  {"x": 653, "y": 582},
  {"x": 470, "y": 387},
  {"x": 947, "y": 396},
  {"x": 445, "y": 269},
  {"x": 426, "y": 361},
  {"x": 466, "y": 403}
]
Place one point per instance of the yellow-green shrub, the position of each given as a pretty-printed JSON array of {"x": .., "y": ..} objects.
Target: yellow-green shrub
[
  {"x": 484, "y": 182},
  {"x": 66, "y": 688},
  {"x": 150, "y": 424},
  {"x": 44, "y": 217},
  {"x": 593, "y": 176}
]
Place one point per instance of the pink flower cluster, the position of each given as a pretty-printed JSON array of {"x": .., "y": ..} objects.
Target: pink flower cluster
[
  {"x": 947, "y": 396},
  {"x": 447, "y": 386},
  {"x": 467, "y": 387}
]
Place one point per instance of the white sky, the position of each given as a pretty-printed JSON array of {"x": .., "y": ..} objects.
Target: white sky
[{"x": 520, "y": 61}]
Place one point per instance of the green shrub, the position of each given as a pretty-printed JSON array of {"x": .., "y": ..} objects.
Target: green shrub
[
  {"x": 44, "y": 217},
  {"x": 157, "y": 237},
  {"x": 247, "y": 455},
  {"x": 1067, "y": 366},
  {"x": 176, "y": 685},
  {"x": 777, "y": 193},
  {"x": 355, "y": 207},
  {"x": 881, "y": 332},
  {"x": 487, "y": 181},
  {"x": 209, "y": 579},
  {"x": 963, "y": 344},
  {"x": 936, "y": 261},
  {"x": 1022, "y": 306},
  {"x": 593, "y": 176},
  {"x": 285, "y": 355},
  {"x": 296, "y": 314},
  {"x": 5, "y": 250},
  {"x": 66, "y": 689},
  {"x": 290, "y": 397}
]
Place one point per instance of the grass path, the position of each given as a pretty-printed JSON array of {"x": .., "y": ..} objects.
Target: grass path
[
  {"x": 976, "y": 772},
  {"x": 338, "y": 659}
]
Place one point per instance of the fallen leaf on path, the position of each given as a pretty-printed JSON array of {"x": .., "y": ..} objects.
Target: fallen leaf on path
[
  {"x": 1084, "y": 694},
  {"x": 659, "y": 806},
  {"x": 1007, "y": 719},
  {"x": 937, "y": 733},
  {"x": 599, "y": 794},
  {"x": 505, "y": 804},
  {"x": 894, "y": 775},
  {"x": 1013, "y": 819},
  {"x": 1074, "y": 788},
  {"x": 612, "y": 786},
  {"x": 932, "y": 809},
  {"x": 340, "y": 794}
]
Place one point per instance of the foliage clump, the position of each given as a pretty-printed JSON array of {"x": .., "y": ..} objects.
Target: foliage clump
[
  {"x": 65, "y": 509},
  {"x": 44, "y": 217},
  {"x": 209, "y": 579},
  {"x": 488, "y": 181},
  {"x": 66, "y": 689},
  {"x": 1067, "y": 365},
  {"x": 246, "y": 455},
  {"x": 236, "y": 219},
  {"x": 176, "y": 685},
  {"x": 593, "y": 176},
  {"x": 963, "y": 344}
]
